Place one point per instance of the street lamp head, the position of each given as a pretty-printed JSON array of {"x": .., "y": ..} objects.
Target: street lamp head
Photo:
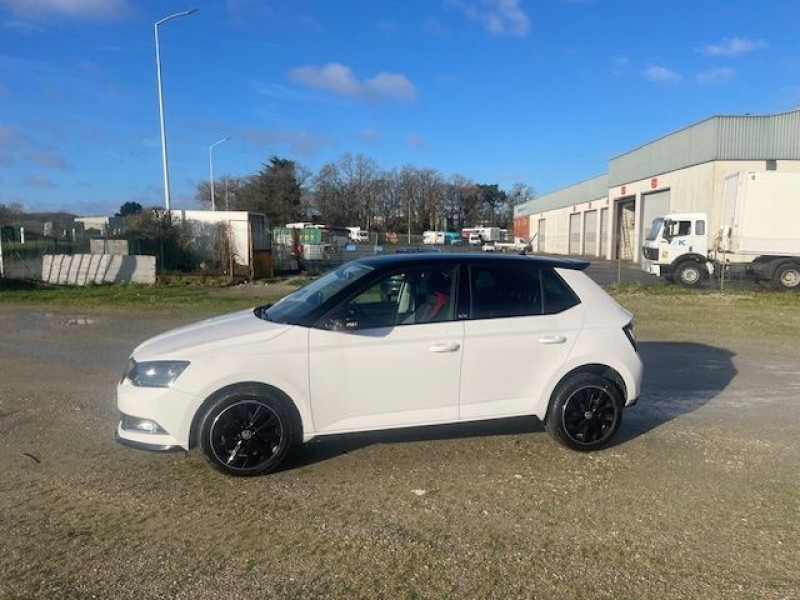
[{"x": 185, "y": 13}]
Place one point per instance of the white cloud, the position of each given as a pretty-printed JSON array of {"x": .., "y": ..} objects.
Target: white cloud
[
  {"x": 498, "y": 17},
  {"x": 92, "y": 9},
  {"x": 50, "y": 160},
  {"x": 732, "y": 47},
  {"x": 662, "y": 75},
  {"x": 415, "y": 141},
  {"x": 38, "y": 181},
  {"x": 339, "y": 79},
  {"x": 723, "y": 75},
  {"x": 299, "y": 142},
  {"x": 370, "y": 135}
]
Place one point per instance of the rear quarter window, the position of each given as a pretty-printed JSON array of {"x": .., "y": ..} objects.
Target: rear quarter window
[{"x": 557, "y": 295}]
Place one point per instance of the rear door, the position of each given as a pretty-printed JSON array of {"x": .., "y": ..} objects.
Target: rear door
[{"x": 523, "y": 324}]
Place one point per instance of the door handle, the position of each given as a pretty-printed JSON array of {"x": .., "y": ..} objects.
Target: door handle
[
  {"x": 552, "y": 339},
  {"x": 445, "y": 347}
]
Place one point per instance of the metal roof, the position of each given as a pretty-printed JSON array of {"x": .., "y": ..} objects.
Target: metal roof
[
  {"x": 743, "y": 137},
  {"x": 585, "y": 191}
]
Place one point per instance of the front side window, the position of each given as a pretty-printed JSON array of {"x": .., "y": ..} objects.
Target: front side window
[
  {"x": 300, "y": 303},
  {"x": 409, "y": 297},
  {"x": 505, "y": 291},
  {"x": 679, "y": 228}
]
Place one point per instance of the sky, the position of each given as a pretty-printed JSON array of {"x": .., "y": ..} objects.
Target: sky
[{"x": 541, "y": 92}]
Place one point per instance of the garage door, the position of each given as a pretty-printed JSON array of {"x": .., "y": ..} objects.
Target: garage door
[
  {"x": 603, "y": 232},
  {"x": 575, "y": 234},
  {"x": 540, "y": 237},
  {"x": 590, "y": 233},
  {"x": 653, "y": 205}
]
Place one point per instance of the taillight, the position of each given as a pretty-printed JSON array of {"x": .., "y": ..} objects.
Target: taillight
[{"x": 630, "y": 334}]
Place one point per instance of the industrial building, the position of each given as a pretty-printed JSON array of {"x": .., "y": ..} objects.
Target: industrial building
[{"x": 608, "y": 216}]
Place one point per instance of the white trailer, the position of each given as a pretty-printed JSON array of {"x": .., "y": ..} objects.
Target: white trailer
[{"x": 759, "y": 233}]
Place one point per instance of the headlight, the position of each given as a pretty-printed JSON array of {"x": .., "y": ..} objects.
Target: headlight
[{"x": 157, "y": 373}]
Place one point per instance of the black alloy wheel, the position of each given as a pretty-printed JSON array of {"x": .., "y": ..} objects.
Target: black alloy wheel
[
  {"x": 589, "y": 415},
  {"x": 585, "y": 413},
  {"x": 244, "y": 434}
]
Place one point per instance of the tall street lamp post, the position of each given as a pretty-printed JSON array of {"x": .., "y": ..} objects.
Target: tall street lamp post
[
  {"x": 211, "y": 169},
  {"x": 161, "y": 104}
]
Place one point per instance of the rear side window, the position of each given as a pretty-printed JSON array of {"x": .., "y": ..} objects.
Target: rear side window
[
  {"x": 558, "y": 296},
  {"x": 505, "y": 291}
]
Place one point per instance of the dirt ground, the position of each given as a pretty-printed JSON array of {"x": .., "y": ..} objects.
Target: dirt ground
[{"x": 699, "y": 498}]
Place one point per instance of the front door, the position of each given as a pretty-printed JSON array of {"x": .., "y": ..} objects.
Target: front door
[{"x": 390, "y": 356}]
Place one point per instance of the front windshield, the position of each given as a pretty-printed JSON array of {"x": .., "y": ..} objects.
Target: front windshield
[
  {"x": 655, "y": 228},
  {"x": 297, "y": 305}
]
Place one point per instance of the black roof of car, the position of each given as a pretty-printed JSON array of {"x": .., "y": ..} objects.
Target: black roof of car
[{"x": 425, "y": 258}]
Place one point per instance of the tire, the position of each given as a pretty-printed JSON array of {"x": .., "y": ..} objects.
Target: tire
[
  {"x": 787, "y": 276},
  {"x": 689, "y": 274},
  {"x": 246, "y": 432},
  {"x": 585, "y": 412}
]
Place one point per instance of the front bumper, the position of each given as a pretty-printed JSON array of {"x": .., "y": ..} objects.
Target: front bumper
[
  {"x": 652, "y": 267},
  {"x": 149, "y": 444},
  {"x": 171, "y": 409}
]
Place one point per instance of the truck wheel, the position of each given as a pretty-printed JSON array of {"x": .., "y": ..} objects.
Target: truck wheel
[
  {"x": 689, "y": 274},
  {"x": 787, "y": 276}
]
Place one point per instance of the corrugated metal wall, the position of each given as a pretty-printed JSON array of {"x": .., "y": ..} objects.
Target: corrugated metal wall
[
  {"x": 717, "y": 138},
  {"x": 585, "y": 191}
]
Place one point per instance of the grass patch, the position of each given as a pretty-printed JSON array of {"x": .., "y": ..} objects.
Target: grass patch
[
  {"x": 674, "y": 313},
  {"x": 181, "y": 295}
]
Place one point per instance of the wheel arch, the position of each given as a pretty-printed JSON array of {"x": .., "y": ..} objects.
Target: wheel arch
[
  {"x": 604, "y": 371},
  {"x": 691, "y": 256},
  {"x": 258, "y": 386}
]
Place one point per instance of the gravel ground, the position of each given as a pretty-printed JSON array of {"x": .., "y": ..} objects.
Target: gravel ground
[{"x": 698, "y": 499}]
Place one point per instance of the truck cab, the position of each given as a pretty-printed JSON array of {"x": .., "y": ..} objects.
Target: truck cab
[{"x": 676, "y": 248}]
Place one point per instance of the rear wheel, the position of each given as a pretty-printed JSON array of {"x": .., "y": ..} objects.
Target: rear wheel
[
  {"x": 689, "y": 274},
  {"x": 585, "y": 412},
  {"x": 787, "y": 276},
  {"x": 245, "y": 432}
]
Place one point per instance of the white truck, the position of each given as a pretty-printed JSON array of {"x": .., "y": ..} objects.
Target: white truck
[
  {"x": 759, "y": 235},
  {"x": 477, "y": 236}
]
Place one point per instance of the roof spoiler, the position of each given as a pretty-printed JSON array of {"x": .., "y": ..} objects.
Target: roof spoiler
[{"x": 571, "y": 263}]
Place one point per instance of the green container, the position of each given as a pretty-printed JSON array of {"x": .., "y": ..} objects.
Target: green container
[{"x": 310, "y": 236}]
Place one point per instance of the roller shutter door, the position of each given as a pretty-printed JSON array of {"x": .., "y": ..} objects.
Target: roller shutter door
[
  {"x": 603, "y": 232},
  {"x": 590, "y": 233},
  {"x": 575, "y": 234}
]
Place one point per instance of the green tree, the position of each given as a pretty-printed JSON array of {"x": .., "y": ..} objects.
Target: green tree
[
  {"x": 9, "y": 213},
  {"x": 280, "y": 191},
  {"x": 129, "y": 208}
]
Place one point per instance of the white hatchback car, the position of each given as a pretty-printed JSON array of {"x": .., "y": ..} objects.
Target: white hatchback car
[{"x": 387, "y": 342}]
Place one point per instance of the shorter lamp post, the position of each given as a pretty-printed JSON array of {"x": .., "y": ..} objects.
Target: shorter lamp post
[{"x": 211, "y": 168}]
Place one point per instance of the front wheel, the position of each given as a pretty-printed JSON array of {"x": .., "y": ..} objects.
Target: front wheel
[
  {"x": 585, "y": 413},
  {"x": 690, "y": 274},
  {"x": 245, "y": 432}
]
